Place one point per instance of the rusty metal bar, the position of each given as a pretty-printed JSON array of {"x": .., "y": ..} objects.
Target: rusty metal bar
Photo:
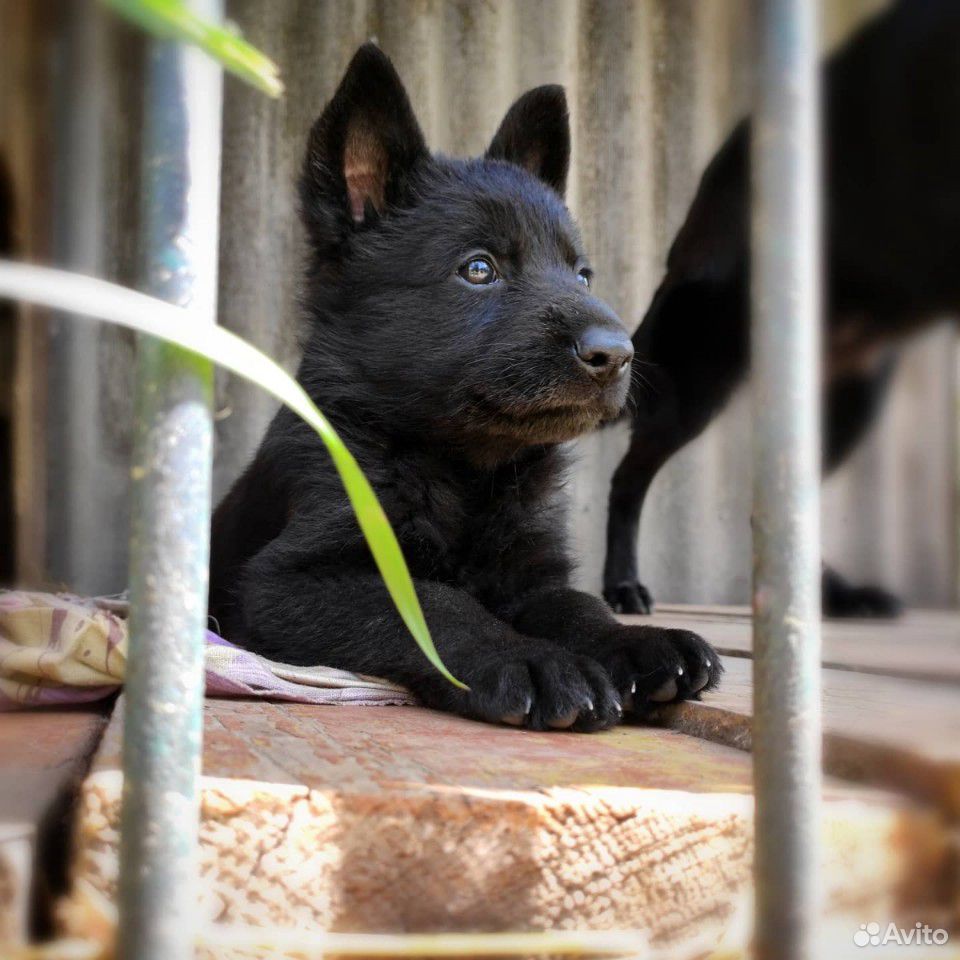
[
  {"x": 171, "y": 511},
  {"x": 785, "y": 293}
]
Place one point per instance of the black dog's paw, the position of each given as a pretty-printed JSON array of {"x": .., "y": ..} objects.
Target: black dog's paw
[
  {"x": 863, "y": 601},
  {"x": 650, "y": 666},
  {"x": 629, "y": 597},
  {"x": 843, "y": 599},
  {"x": 541, "y": 688}
]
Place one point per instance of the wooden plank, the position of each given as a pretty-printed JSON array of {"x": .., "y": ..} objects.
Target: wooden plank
[
  {"x": 400, "y": 819},
  {"x": 43, "y": 756},
  {"x": 923, "y": 644},
  {"x": 903, "y": 734}
]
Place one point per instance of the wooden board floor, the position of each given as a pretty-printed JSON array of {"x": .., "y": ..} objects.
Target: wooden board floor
[
  {"x": 389, "y": 819},
  {"x": 401, "y": 819},
  {"x": 891, "y": 697}
]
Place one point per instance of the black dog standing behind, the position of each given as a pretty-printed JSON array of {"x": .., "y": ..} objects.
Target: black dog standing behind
[
  {"x": 455, "y": 344},
  {"x": 892, "y": 210}
]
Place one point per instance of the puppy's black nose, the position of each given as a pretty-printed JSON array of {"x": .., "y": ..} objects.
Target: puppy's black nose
[{"x": 604, "y": 353}]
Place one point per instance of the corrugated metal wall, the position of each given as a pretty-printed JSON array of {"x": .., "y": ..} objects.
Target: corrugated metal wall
[{"x": 653, "y": 85}]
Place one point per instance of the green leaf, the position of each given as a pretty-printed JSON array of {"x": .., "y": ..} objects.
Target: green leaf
[
  {"x": 174, "y": 20},
  {"x": 75, "y": 294}
]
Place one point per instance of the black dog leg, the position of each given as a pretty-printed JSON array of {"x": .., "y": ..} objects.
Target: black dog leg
[
  {"x": 622, "y": 588},
  {"x": 691, "y": 353}
]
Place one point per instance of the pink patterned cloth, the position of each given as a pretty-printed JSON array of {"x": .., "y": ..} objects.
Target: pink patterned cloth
[{"x": 58, "y": 649}]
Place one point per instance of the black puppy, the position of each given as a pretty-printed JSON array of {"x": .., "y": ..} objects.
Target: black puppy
[
  {"x": 892, "y": 210},
  {"x": 455, "y": 344}
]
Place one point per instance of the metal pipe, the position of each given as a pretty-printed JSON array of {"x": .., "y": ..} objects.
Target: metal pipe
[
  {"x": 785, "y": 280},
  {"x": 171, "y": 511}
]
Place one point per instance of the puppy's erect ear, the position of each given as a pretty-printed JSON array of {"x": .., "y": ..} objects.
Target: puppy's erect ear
[
  {"x": 535, "y": 134},
  {"x": 361, "y": 149}
]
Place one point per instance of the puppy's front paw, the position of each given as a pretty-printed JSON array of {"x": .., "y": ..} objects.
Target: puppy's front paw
[
  {"x": 541, "y": 689},
  {"x": 650, "y": 666}
]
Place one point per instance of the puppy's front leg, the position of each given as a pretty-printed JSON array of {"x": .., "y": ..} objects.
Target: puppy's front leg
[
  {"x": 648, "y": 665},
  {"x": 319, "y": 614}
]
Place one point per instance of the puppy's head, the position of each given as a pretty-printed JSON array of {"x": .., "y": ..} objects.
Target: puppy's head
[{"x": 456, "y": 292}]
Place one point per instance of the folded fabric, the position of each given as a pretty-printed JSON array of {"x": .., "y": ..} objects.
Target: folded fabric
[{"x": 62, "y": 649}]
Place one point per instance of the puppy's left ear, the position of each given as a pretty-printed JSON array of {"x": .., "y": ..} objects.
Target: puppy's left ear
[
  {"x": 362, "y": 150},
  {"x": 535, "y": 135}
]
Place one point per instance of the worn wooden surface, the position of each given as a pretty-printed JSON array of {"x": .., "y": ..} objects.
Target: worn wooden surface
[
  {"x": 898, "y": 733},
  {"x": 891, "y": 697},
  {"x": 392, "y": 819},
  {"x": 43, "y": 756},
  {"x": 386, "y": 819}
]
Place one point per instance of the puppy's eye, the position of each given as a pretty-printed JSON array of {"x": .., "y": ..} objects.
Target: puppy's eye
[
  {"x": 585, "y": 276},
  {"x": 479, "y": 271}
]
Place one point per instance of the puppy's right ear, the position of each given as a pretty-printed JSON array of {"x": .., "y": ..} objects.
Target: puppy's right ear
[
  {"x": 535, "y": 135},
  {"x": 361, "y": 150}
]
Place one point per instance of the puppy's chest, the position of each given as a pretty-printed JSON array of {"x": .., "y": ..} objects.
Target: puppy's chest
[{"x": 473, "y": 534}]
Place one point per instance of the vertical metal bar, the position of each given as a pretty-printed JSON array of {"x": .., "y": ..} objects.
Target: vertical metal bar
[
  {"x": 785, "y": 280},
  {"x": 171, "y": 503}
]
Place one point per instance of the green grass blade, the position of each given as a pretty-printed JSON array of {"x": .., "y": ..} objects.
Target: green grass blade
[
  {"x": 75, "y": 294},
  {"x": 174, "y": 20}
]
